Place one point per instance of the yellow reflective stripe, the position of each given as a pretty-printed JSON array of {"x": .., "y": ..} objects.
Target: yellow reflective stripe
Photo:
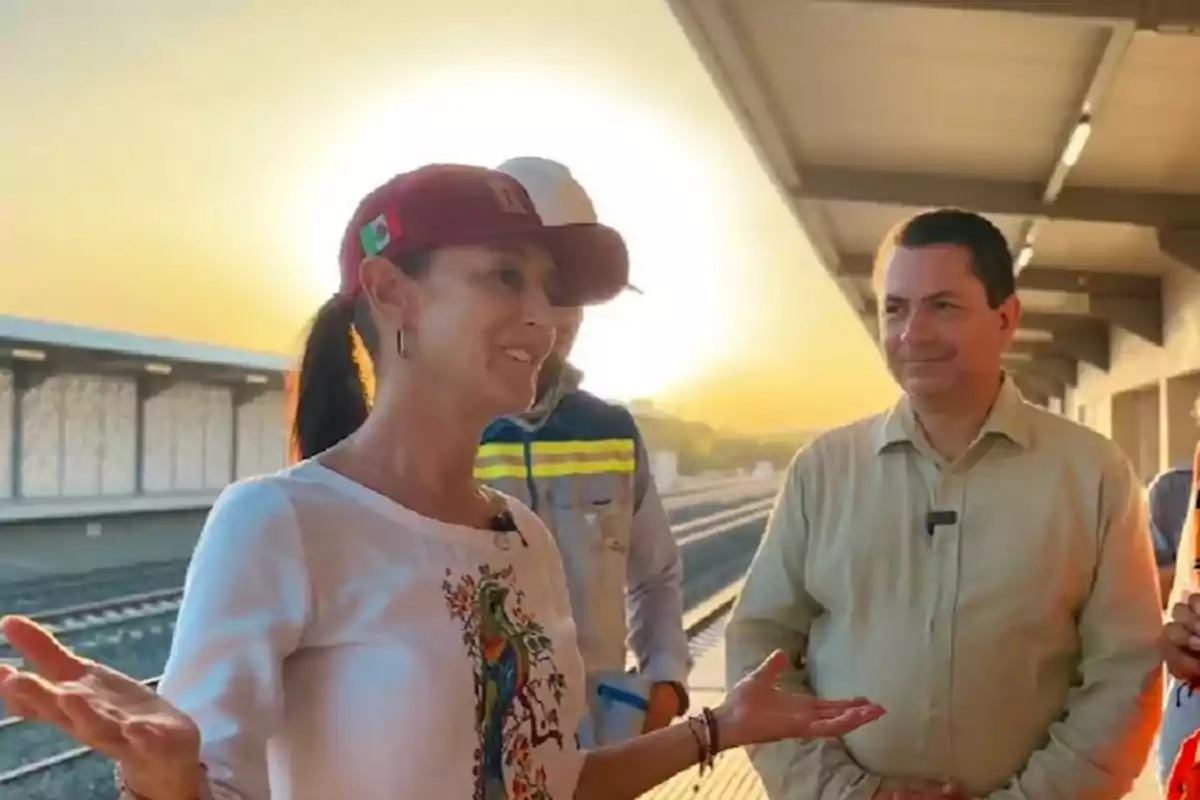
[
  {"x": 617, "y": 447},
  {"x": 492, "y": 449},
  {"x": 555, "y": 461},
  {"x": 498, "y": 460},
  {"x": 556, "y": 469},
  {"x": 561, "y": 469},
  {"x": 491, "y": 472}
]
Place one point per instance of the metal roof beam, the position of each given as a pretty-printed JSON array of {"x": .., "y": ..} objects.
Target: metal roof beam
[
  {"x": 1082, "y": 338},
  {"x": 1043, "y": 362},
  {"x": 1132, "y": 302},
  {"x": 710, "y": 26},
  {"x": 1156, "y": 15},
  {"x": 1040, "y": 370},
  {"x": 1043, "y": 278},
  {"x": 1015, "y": 198},
  {"x": 1181, "y": 244},
  {"x": 1141, "y": 315},
  {"x": 1036, "y": 387},
  {"x": 1040, "y": 349},
  {"x": 1078, "y": 128}
]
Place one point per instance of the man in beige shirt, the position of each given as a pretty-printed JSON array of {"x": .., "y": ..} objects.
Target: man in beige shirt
[{"x": 977, "y": 565}]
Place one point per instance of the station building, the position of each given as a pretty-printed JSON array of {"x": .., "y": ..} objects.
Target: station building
[{"x": 114, "y": 446}]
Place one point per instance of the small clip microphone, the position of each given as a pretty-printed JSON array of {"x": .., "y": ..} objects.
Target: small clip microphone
[
  {"x": 936, "y": 519},
  {"x": 503, "y": 523}
]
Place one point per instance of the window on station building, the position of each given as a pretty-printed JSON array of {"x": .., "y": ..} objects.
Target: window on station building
[
  {"x": 187, "y": 439},
  {"x": 262, "y": 435},
  {"x": 76, "y": 437},
  {"x": 218, "y": 438},
  {"x": 6, "y": 434}
]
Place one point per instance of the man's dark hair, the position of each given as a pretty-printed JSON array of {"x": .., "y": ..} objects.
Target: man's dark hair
[{"x": 991, "y": 260}]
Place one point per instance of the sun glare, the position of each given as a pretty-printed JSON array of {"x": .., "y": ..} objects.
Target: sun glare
[{"x": 646, "y": 173}]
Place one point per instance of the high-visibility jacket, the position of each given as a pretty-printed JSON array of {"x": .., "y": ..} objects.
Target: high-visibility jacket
[{"x": 583, "y": 469}]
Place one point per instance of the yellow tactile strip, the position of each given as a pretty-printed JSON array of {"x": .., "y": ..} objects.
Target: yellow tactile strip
[{"x": 733, "y": 779}]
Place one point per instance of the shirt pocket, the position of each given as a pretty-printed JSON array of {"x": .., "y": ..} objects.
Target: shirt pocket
[{"x": 590, "y": 516}]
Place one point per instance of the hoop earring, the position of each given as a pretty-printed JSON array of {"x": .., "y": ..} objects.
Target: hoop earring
[{"x": 401, "y": 345}]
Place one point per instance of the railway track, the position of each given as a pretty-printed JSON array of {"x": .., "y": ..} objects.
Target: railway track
[
  {"x": 120, "y": 630},
  {"x": 25, "y": 596}
]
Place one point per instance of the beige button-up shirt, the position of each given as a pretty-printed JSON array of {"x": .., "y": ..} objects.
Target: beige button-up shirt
[{"x": 1014, "y": 647}]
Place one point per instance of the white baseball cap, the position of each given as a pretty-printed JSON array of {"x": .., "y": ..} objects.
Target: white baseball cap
[{"x": 557, "y": 197}]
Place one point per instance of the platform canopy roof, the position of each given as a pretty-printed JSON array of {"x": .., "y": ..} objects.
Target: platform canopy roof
[
  {"x": 1074, "y": 125},
  {"x": 54, "y": 346}
]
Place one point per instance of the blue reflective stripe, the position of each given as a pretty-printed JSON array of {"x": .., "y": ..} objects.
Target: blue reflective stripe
[{"x": 606, "y": 692}]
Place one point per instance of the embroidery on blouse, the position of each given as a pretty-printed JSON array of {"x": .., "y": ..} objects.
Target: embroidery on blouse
[{"x": 518, "y": 687}]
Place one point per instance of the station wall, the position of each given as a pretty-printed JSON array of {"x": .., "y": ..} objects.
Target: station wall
[
  {"x": 1145, "y": 400},
  {"x": 76, "y": 435},
  {"x": 6, "y": 435}
]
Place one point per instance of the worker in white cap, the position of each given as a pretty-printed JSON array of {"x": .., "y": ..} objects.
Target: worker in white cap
[{"x": 580, "y": 463}]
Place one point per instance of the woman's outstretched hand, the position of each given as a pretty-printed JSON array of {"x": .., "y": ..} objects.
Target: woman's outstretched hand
[
  {"x": 157, "y": 745},
  {"x": 757, "y": 710}
]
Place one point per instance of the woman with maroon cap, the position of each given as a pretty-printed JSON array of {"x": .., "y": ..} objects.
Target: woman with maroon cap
[{"x": 371, "y": 622}]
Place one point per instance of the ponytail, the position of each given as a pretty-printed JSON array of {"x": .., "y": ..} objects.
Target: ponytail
[
  {"x": 332, "y": 394},
  {"x": 330, "y": 397}
]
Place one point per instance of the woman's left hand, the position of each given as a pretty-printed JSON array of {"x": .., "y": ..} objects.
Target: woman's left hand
[{"x": 758, "y": 711}]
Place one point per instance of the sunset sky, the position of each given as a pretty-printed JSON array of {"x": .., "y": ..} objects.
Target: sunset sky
[{"x": 184, "y": 169}]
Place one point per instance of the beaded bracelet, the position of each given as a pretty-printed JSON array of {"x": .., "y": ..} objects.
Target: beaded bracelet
[{"x": 705, "y": 732}]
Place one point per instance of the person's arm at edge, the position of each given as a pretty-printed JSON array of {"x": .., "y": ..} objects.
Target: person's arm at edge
[
  {"x": 1181, "y": 718},
  {"x": 1102, "y": 743},
  {"x": 655, "y": 589},
  {"x": 246, "y": 602},
  {"x": 1164, "y": 502},
  {"x": 1184, "y": 583},
  {"x": 775, "y": 612}
]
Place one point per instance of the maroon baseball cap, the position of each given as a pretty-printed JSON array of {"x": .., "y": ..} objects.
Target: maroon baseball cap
[{"x": 448, "y": 205}]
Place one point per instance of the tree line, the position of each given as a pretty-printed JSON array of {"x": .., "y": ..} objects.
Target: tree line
[{"x": 702, "y": 448}]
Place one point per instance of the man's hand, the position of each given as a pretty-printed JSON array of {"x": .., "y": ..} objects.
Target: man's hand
[
  {"x": 908, "y": 789},
  {"x": 662, "y": 708},
  {"x": 1181, "y": 640}
]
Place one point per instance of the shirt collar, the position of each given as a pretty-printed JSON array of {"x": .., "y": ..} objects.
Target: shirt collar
[
  {"x": 1009, "y": 419},
  {"x": 569, "y": 380}
]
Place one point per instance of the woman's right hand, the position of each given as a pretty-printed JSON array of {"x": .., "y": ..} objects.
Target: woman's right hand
[
  {"x": 157, "y": 746},
  {"x": 758, "y": 711}
]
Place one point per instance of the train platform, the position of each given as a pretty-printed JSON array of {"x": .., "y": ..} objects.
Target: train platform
[{"x": 733, "y": 778}]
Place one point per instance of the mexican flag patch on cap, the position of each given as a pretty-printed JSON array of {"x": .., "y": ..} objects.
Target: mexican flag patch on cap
[{"x": 379, "y": 233}]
